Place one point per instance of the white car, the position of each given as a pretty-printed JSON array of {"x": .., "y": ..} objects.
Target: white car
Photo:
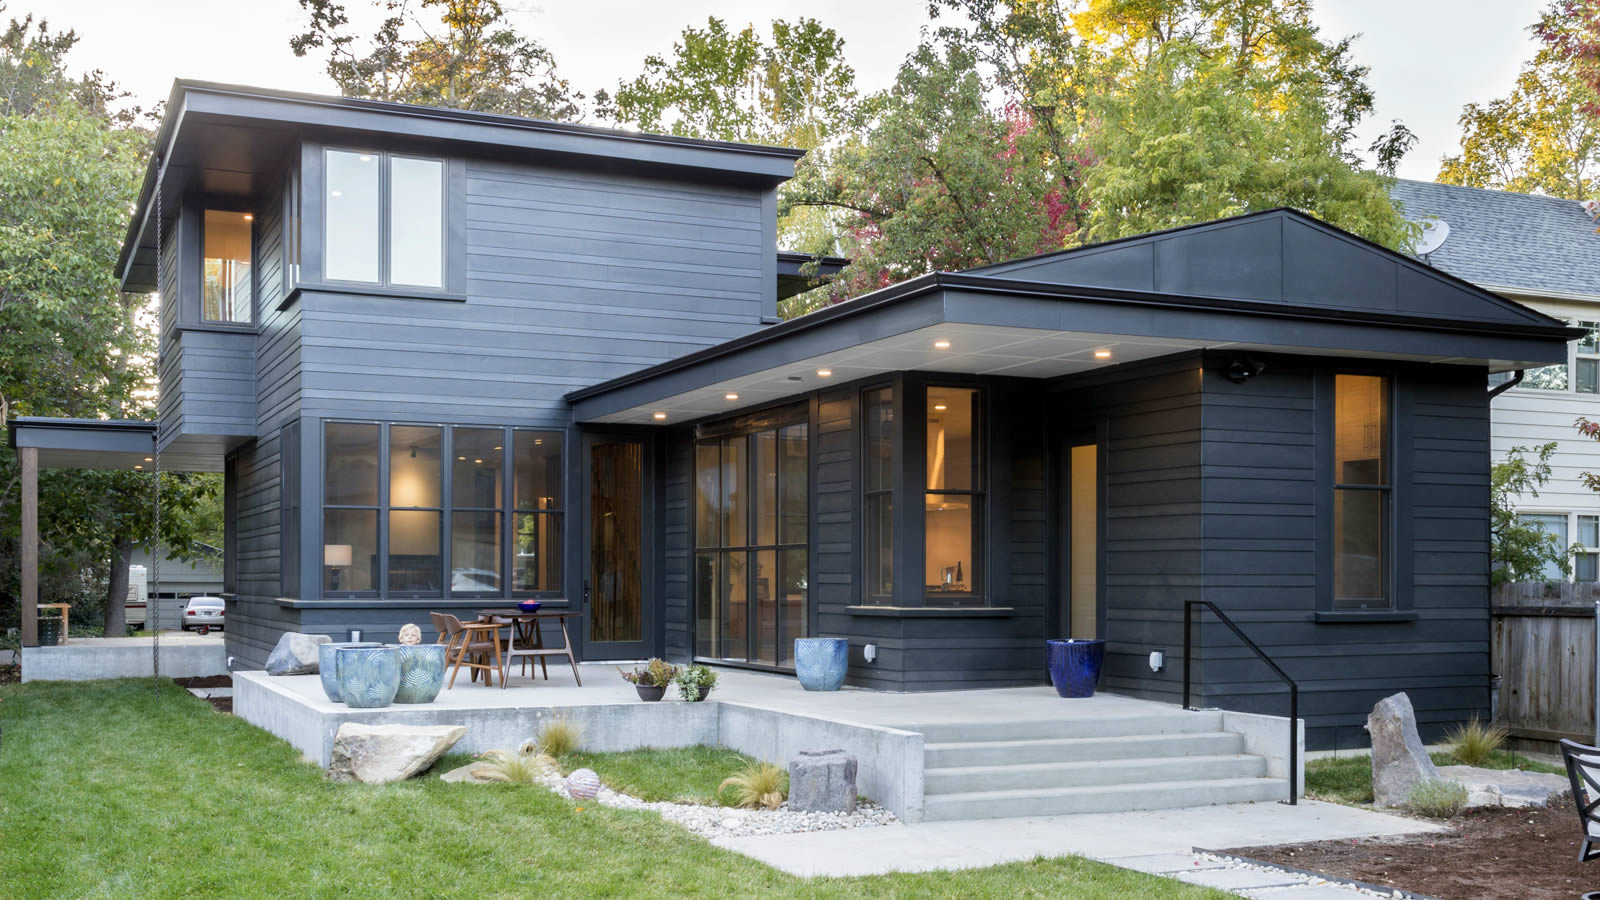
[{"x": 203, "y": 614}]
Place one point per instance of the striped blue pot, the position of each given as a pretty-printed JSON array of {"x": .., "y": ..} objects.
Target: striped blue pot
[
  {"x": 368, "y": 676},
  {"x": 328, "y": 665},
  {"x": 421, "y": 672},
  {"x": 1075, "y": 666},
  {"x": 820, "y": 663}
]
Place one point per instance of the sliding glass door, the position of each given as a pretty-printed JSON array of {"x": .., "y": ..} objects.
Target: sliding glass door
[{"x": 752, "y": 524}]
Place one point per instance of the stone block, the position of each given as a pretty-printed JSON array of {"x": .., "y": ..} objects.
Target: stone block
[
  {"x": 1399, "y": 761},
  {"x": 379, "y": 754},
  {"x": 295, "y": 654},
  {"x": 822, "y": 781}
]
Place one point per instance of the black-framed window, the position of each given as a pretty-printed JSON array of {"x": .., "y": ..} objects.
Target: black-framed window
[
  {"x": 409, "y": 508},
  {"x": 227, "y": 287},
  {"x": 384, "y": 218},
  {"x": 953, "y": 496},
  {"x": 1363, "y": 504},
  {"x": 877, "y": 493},
  {"x": 752, "y": 535}
]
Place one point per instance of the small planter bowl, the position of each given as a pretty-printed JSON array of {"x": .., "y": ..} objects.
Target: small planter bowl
[
  {"x": 529, "y": 606},
  {"x": 650, "y": 692}
]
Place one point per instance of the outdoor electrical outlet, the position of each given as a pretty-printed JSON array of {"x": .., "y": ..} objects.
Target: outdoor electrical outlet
[
  {"x": 1158, "y": 659},
  {"x": 870, "y": 653}
]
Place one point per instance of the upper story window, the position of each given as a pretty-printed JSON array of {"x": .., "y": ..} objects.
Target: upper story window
[
  {"x": 225, "y": 274},
  {"x": 1580, "y": 374},
  {"x": 953, "y": 499},
  {"x": 1361, "y": 492},
  {"x": 385, "y": 219}
]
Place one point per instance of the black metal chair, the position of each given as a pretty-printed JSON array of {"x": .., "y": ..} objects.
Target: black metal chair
[{"x": 1583, "y": 770}]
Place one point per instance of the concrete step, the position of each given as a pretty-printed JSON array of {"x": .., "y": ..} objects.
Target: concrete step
[
  {"x": 1102, "y": 798},
  {"x": 1165, "y": 722},
  {"x": 1064, "y": 750},
  {"x": 1043, "y": 777}
]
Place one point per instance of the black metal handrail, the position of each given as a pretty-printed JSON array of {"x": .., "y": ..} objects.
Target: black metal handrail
[{"x": 1294, "y": 689}]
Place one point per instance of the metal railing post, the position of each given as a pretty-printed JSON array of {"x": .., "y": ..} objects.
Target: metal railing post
[{"x": 1188, "y": 608}]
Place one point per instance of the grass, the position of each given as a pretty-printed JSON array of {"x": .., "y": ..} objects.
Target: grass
[
  {"x": 1436, "y": 798},
  {"x": 115, "y": 790},
  {"x": 675, "y": 775},
  {"x": 1348, "y": 779}
]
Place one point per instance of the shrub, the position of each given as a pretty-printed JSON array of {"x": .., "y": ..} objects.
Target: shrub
[
  {"x": 524, "y": 766},
  {"x": 560, "y": 736},
  {"x": 1437, "y": 798},
  {"x": 1473, "y": 742},
  {"x": 757, "y": 784},
  {"x": 655, "y": 673}
]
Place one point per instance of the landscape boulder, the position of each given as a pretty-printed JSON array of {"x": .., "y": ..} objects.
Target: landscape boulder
[
  {"x": 295, "y": 654},
  {"x": 379, "y": 754},
  {"x": 1399, "y": 761},
  {"x": 1506, "y": 787},
  {"x": 822, "y": 781}
]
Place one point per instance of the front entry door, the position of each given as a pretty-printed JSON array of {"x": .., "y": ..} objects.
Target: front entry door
[{"x": 618, "y": 621}]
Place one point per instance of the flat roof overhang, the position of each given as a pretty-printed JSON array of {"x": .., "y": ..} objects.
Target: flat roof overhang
[
  {"x": 124, "y": 444},
  {"x": 793, "y": 277},
  {"x": 1029, "y": 329}
]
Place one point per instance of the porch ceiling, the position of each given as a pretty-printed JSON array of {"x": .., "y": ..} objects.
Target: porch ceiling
[{"x": 109, "y": 444}]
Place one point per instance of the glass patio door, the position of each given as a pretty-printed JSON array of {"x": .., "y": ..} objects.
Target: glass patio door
[{"x": 617, "y": 620}]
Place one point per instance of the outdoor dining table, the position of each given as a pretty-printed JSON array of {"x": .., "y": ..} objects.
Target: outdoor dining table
[{"x": 527, "y": 639}]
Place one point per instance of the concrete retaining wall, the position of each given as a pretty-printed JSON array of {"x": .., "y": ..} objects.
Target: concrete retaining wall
[
  {"x": 86, "y": 659},
  {"x": 1268, "y": 738}
]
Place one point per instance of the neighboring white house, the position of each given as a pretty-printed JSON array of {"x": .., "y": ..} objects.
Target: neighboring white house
[{"x": 1543, "y": 252}]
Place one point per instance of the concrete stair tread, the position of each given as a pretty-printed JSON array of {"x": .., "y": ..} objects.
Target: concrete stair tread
[
  {"x": 1171, "y": 786},
  {"x": 1091, "y": 764},
  {"x": 1102, "y": 798},
  {"x": 1176, "y": 742},
  {"x": 1141, "y": 724}
]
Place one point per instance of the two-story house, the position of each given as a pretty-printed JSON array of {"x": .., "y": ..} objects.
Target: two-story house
[
  {"x": 1542, "y": 252},
  {"x": 449, "y": 359}
]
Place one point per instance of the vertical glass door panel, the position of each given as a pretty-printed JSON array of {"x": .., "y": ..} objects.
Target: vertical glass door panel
[
  {"x": 616, "y": 542},
  {"x": 1084, "y": 522}
]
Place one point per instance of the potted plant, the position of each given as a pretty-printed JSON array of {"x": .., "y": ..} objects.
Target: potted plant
[
  {"x": 695, "y": 682},
  {"x": 50, "y": 629},
  {"x": 651, "y": 679}
]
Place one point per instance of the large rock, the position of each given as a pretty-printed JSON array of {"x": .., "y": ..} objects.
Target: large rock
[
  {"x": 379, "y": 754},
  {"x": 822, "y": 781},
  {"x": 1399, "y": 761},
  {"x": 1506, "y": 787},
  {"x": 296, "y": 654}
]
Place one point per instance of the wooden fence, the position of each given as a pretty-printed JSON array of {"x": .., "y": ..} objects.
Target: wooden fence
[{"x": 1544, "y": 651}]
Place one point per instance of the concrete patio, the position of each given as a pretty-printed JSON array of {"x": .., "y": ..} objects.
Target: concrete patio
[{"x": 183, "y": 655}]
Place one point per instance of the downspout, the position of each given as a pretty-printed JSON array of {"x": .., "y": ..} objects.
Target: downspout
[{"x": 1516, "y": 379}]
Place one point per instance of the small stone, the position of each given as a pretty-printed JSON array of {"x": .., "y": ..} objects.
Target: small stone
[
  {"x": 730, "y": 823},
  {"x": 464, "y": 775},
  {"x": 379, "y": 754},
  {"x": 1399, "y": 761},
  {"x": 295, "y": 654}
]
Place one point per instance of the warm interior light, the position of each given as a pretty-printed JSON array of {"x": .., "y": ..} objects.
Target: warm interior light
[
  {"x": 824, "y": 373},
  {"x": 941, "y": 345},
  {"x": 461, "y": 459},
  {"x": 138, "y": 467},
  {"x": 499, "y": 448},
  {"x": 661, "y": 415},
  {"x": 730, "y": 396},
  {"x": 941, "y": 407},
  {"x": 538, "y": 440},
  {"x": 1102, "y": 354},
  {"x": 249, "y": 218},
  {"x": 149, "y": 459},
  {"x": 478, "y": 461}
]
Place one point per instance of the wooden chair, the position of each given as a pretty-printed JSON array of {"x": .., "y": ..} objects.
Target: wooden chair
[
  {"x": 1583, "y": 770},
  {"x": 471, "y": 646}
]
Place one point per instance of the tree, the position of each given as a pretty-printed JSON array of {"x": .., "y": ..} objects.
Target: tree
[
  {"x": 1571, "y": 28},
  {"x": 1543, "y": 137},
  {"x": 1521, "y": 550},
  {"x": 465, "y": 54}
]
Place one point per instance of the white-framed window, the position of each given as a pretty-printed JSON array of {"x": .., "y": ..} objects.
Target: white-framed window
[
  {"x": 1581, "y": 532},
  {"x": 1579, "y": 374},
  {"x": 1586, "y": 562}
]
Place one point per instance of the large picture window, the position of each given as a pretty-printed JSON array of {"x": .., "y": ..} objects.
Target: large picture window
[
  {"x": 877, "y": 489},
  {"x": 1361, "y": 493},
  {"x": 446, "y": 498},
  {"x": 752, "y": 521},
  {"x": 953, "y": 499},
  {"x": 384, "y": 221}
]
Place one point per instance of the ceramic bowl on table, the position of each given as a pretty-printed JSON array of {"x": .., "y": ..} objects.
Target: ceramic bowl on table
[{"x": 529, "y": 606}]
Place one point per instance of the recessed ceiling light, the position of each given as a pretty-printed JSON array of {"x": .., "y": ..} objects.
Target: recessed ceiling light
[
  {"x": 138, "y": 467},
  {"x": 478, "y": 461},
  {"x": 461, "y": 458},
  {"x": 538, "y": 440},
  {"x": 249, "y": 218},
  {"x": 941, "y": 407},
  {"x": 499, "y": 448},
  {"x": 1102, "y": 354},
  {"x": 149, "y": 459},
  {"x": 824, "y": 373},
  {"x": 941, "y": 345},
  {"x": 366, "y": 158},
  {"x": 730, "y": 396},
  {"x": 661, "y": 415}
]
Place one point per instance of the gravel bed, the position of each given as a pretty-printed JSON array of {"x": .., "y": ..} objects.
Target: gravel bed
[{"x": 722, "y": 821}]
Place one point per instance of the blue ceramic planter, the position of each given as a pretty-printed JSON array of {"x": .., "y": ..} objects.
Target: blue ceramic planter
[
  {"x": 368, "y": 676},
  {"x": 328, "y": 665},
  {"x": 421, "y": 672},
  {"x": 820, "y": 663},
  {"x": 1075, "y": 666}
]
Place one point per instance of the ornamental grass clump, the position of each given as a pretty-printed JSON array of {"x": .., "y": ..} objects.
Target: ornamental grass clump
[
  {"x": 559, "y": 737},
  {"x": 1437, "y": 798},
  {"x": 523, "y": 766},
  {"x": 759, "y": 784},
  {"x": 1474, "y": 742}
]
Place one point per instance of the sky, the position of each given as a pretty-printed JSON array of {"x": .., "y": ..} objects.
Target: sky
[{"x": 1428, "y": 57}]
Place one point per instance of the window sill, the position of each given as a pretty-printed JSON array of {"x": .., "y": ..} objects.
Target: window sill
[
  {"x": 409, "y": 603},
  {"x": 395, "y": 292},
  {"x": 215, "y": 328},
  {"x": 1335, "y": 616},
  {"x": 933, "y": 612}
]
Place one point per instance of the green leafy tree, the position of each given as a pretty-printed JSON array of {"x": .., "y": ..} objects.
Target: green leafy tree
[
  {"x": 1544, "y": 136},
  {"x": 456, "y": 53},
  {"x": 1521, "y": 550}
]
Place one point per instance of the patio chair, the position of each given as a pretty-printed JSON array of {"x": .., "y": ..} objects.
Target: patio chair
[
  {"x": 471, "y": 646},
  {"x": 1583, "y": 770}
]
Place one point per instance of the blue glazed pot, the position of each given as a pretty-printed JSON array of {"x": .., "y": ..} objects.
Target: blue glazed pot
[
  {"x": 328, "y": 665},
  {"x": 820, "y": 663},
  {"x": 368, "y": 676},
  {"x": 1075, "y": 666},
  {"x": 421, "y": 672}
]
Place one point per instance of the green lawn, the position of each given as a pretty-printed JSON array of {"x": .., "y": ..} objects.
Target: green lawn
[
  {"x": 1348, "y": 779},
  {"x": 678, "y": 774},
  {"x": 109, "y": 789}
]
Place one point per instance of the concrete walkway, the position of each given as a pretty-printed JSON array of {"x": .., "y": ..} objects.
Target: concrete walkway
[{"x": 1161, "y": 842}]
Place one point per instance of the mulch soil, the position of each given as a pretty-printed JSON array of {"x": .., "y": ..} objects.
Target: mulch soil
[
  {"x": 1491, "y": 853},
  {"x": 10, "y": 674},
  {"x": 220, "y": 704}
]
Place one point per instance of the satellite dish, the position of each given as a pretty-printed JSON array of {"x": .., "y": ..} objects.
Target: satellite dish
[{"x": 1434, "y": 233}]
